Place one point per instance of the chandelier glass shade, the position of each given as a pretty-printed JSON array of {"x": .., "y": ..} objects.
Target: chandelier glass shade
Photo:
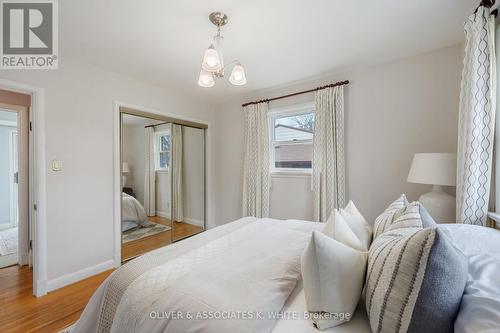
[
  {"x": 238, "y": 77},
  {"x": 211, "y": 60},
  {"x": 206, "y": 79},
  {"x": 213, "y": 66}
]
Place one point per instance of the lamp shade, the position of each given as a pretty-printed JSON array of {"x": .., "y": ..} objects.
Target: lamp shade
[
  {"x": 206, "y": 79},
  {"x": 434, "y": 169},
  {"x": 125, "y": 168},
  {"x": 238, "y": 77},
  {"x": 211, "y": 60}
]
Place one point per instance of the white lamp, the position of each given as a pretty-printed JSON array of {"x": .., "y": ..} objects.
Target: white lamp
[
  {"x": 125, "y": 170},
  {"x": 437, "y": 169}
]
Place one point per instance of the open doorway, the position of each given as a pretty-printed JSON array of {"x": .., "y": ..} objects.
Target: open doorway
[
  {"x": 27, "y": 102},
  {"x": 14, "y": 179},
  {"x": 9, "y": 188}
]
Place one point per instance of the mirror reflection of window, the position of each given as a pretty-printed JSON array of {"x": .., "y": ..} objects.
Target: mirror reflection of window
[{"x": 162, "y": 150}]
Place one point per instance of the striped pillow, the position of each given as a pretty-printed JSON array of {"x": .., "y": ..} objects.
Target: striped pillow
[
  {"x": 389, "y": 215},
  {"x": 413, "y": 216},
  {"x": 415, "y": 278}
]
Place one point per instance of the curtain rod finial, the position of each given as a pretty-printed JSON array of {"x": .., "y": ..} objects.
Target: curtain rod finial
[{"x": 487, "y": 3}]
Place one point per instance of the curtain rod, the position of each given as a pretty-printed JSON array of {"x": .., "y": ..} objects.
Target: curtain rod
[
  {"x": 336, "y": 84},
  {"x": 166, "y": 122},
  {"x": 488, "y": 4},
  {"x": 174, "y": 123}
]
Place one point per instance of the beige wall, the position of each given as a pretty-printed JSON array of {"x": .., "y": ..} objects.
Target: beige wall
[{"x": 393, "y": 111}]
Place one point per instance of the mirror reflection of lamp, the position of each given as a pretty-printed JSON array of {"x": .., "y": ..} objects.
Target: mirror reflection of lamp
[{"x": 125, "y": 170}]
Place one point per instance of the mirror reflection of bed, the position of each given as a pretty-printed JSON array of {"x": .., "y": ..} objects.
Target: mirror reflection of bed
[{"x": 163, "y": 183}]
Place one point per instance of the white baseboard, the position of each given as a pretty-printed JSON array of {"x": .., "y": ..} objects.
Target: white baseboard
[
  {"x": 79, "y": 275},
  {"x": 8, "y": 260},
  {"x": 189, "y": 220},
  {"x": 117, "y": 260},
  {"x": 41, "y": 288},
  {"x": 24, "y": 259},
  {"x": 211, "y": 226},
  {"x": 165, "y": 215}
]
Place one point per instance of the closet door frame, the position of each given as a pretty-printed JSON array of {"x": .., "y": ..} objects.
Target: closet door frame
[{"x": 120, "y": 108}]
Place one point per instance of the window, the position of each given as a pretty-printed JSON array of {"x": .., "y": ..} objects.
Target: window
[
  {"x": 162, "y": 150},
  {"x": 292, "y": 135}
]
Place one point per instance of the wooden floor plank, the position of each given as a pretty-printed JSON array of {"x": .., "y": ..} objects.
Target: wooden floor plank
[{"x": 22, "y": 312}]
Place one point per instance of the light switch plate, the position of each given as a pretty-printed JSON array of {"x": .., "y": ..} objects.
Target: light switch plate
[{"x": 57, "y": 165}]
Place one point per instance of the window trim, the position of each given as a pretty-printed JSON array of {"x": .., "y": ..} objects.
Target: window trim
[
  {"x": 281, "y": 112},
  {"x": 157, "y": 151}
]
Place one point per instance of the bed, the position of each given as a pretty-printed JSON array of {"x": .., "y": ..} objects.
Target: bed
[
  {"x": 234, "y": 273},
  {"x": 133, "y": 213}
]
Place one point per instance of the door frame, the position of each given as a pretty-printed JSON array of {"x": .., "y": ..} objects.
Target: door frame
[
  {"x": 37, "y": 181},
  {"x": 13, "y": 154},
  {"x": 117, "y": 175}
]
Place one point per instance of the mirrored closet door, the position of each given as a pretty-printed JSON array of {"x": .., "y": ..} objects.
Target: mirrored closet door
[
  {"x": 163, "y": 182},
  {"x": 188, "y": 181}
]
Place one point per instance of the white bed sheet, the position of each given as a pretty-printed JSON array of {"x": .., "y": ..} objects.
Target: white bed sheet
[{"x": 480, "y": 307}]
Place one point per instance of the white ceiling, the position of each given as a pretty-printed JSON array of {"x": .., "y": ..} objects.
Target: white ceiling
[{"x": 279, "y": 41}]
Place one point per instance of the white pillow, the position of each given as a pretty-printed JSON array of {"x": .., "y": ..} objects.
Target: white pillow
[
  {"x": 337, "y": 228},
  {"x": 358, "y": 224},
  {"x": 333, "y": 276}
]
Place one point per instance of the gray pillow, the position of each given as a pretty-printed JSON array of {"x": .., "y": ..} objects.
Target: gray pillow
[{"x": 415, "y": 278}]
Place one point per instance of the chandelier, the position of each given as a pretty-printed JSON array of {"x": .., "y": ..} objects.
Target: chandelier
[{"x": 213, "y": 61}]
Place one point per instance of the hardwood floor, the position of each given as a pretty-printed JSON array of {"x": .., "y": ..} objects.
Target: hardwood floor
[
  {"x": 179, "y": 231},
  {"x": 22, "y": 312},
  {"x": 182, "y": 230}
]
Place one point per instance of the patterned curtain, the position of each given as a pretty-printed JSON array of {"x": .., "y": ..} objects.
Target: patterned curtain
[
  {"x": 328, "y": 172},
  {"x": 257, "y": 162},
  {"x": 476, "y": 119}
]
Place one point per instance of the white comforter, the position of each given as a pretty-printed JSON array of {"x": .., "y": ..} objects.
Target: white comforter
[
  {"x": 133, "y": 211},
  {"x": 248, "y": 270}
]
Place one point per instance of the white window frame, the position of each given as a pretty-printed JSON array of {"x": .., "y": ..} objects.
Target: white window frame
[
  {"x": 158, "y": 136},
  {"x": 274, "y": 113}
]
